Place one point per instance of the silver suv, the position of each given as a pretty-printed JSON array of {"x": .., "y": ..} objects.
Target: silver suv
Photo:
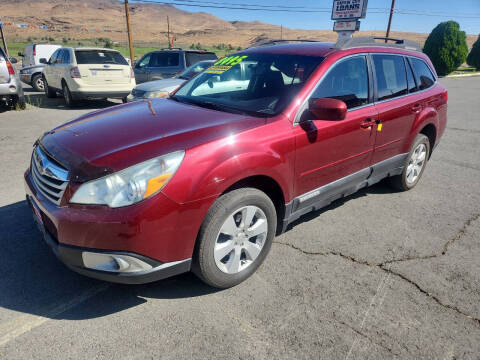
[{"x": 11, "y": 92}]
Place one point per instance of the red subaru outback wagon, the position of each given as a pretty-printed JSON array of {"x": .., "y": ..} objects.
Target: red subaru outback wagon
[{"x": 204, "y": 180}]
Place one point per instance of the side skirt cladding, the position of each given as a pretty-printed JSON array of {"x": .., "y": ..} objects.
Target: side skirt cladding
[{"x": 326, "y": 194}]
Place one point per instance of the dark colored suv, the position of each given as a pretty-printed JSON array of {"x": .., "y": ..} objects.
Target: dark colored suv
[
  {"x": 204, "y": 180},
  {"x": 167, "y": 63}
]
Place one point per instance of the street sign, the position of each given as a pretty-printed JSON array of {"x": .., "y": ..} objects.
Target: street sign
[
  {"x": 346, "y": 25},
  {"x": 349, "y": 9}
]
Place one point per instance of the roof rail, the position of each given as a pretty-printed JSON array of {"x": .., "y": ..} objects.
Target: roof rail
[
  {"x": 171, "y": 49},
  {"x": 279, "y": 41},
  {"x": 370, "y": 41}
]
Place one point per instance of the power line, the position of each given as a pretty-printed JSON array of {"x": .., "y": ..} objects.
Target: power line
[{"x": 298, "y": 9}]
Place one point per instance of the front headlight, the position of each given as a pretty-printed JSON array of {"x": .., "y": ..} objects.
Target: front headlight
[
  {"x": 156, "y": 94},
  {"x": 131, "y": 185}
]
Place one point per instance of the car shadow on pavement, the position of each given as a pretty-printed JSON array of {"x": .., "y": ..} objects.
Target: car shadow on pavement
[
  {"x": 34, "y": 281},
  {"x": 380, "y": 188},
  {"x": 39, "y": 100}
]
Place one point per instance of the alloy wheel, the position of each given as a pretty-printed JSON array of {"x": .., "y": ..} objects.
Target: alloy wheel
[
  {"x": 416, "y": 163},
  {"x": 240, "y": 239}
]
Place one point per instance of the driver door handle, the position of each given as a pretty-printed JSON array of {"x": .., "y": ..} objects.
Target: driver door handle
[{"x": 367, "y": 123}]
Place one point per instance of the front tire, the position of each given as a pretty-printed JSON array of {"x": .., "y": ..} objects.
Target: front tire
[
  {"x": 37, "y": 83},
  {"x": 414, "y": 165},
  {"x": 49, "y": 92},
  {"x": 235, "y": 237}
]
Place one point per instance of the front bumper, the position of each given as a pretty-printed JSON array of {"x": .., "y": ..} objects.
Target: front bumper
[{"x": 71, "y": 233}]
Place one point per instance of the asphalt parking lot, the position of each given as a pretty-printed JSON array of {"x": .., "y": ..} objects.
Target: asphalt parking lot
[{"x": 378, "y": 275}]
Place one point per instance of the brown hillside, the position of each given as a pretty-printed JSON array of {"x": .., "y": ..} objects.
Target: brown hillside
[{"x": 86, "y": 19}]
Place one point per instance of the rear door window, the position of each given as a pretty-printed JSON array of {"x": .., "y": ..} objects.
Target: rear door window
[
  {"x": 346, "y": 81},
  {"x": 165, "y": 59},
  {"x": 194, "y": 57},
  {"x": 99, "y": 57},
  {"x": 391, "y": 78},
  {"x": 424, "y": 76}
]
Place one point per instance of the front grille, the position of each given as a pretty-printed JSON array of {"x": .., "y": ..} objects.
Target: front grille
[{"x": 49, "y": 177}]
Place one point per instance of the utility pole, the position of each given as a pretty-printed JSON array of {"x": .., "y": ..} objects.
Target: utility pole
[
  {"x": 129, "y": 30},
  {"x": 168, "y": 33},
  {"x": 3, "y": 39},
  {"x": 390, "y": 19},
  {"x": 281, "y": 32}
]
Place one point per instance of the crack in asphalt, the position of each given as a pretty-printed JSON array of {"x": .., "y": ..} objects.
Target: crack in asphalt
[
  {"x": 383, "y": 266},
  {"x": 390, "y": 350}
]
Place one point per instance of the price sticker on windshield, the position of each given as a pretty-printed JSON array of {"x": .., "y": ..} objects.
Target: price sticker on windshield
[{"x": 225, "y": 64}]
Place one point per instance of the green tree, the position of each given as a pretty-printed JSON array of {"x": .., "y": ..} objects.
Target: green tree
[
  {"x": 447, "y": 47},
  {"x": 108, "y": 43},
  {"x": 198, "y": 46},
  {"x": 192, "y": 46},
  {"x": 473, "y": 59},
  {"x": 51, "y": 39},
  {"x": 64, "y": 40}
]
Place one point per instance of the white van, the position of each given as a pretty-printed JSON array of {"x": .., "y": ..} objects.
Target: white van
[{"x": 34, "y": 52}]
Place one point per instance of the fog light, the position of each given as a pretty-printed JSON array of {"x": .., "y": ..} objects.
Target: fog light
[{"x": 113, "y": 262}]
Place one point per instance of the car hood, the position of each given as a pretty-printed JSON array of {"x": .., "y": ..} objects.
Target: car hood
[
  {"x": 112, "y": 139},
  {"x": 160, "y": 85}
]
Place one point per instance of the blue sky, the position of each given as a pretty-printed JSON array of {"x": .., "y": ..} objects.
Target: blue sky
[{"x": 442, "y": 10}]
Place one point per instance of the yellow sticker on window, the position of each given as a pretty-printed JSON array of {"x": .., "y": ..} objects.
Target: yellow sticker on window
[{"x": 225, "y": 64}]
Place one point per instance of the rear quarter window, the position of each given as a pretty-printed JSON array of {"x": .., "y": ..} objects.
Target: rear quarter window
[
  {"x": 99, "y": 57},
  {"x": 423, "y": 74},
  {"x": 165, "y": 59},
  {"x": 193, "y": 57}
]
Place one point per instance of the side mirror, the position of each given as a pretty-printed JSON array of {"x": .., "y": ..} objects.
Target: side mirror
[
  {"x": 20, "y": 54},
  {"x": 328, "y": 109},
  {"x": 43, "y": 61},
  {"x": 13, "y": 60}
]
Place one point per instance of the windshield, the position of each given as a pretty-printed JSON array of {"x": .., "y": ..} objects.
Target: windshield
[
  {"x": 258, "y": 84},
  {"x": 99, "y": 57},
  {"x": 195, "y": 69}
]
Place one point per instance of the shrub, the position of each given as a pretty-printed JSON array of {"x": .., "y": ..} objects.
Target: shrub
[
  {"x": 108, "y": 43},
  {"x": 473, "y": 59},
  {"x": 64, "y": 40},
  {"x": 51, "y": 39},
  {"x": 447, "y": 47}
]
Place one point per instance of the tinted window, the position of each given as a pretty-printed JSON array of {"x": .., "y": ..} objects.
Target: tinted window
[
  {"x": 53, "y": 58},
  {"x": 61, "y": 57},
  {"x": 424, "y": 76},
  {"x": 66, "y": 56},
  {"x": 194, "y": 57},
  {"x": 165, "y": 59},
  {"x": 99, "y": 57},
  {"x": 391, "y": 78},
  {"x": 346, "y": 81},
  {"x": 195, "y": 69},
  {"x": 144, "y": 61},
  {"x": 412, "y": 87}
]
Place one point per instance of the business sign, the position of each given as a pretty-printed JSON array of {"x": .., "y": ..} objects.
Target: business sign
[
  {"x": 346, "y": 25},
  {"x": 349, "y": 9}
]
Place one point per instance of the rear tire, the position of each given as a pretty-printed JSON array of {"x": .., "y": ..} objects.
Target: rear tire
[
  {"x": 414, "y": 165},
  {"x": 67, "y": 95},
  {"x": 124, "y": 100},
  {"x": 37, "y": 83},
  {"x": 49, "y": 92},
  {"x": 241, "y": 213}
]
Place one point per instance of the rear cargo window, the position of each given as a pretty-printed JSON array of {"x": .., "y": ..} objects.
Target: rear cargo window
[
  {"x": 165, "y": 59},
  {"x": 424, "y": 76},
  {"x": 99, "y": 57},
  {"x": 390, "y": 76},
  {"x": 194, "y": 57}
]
